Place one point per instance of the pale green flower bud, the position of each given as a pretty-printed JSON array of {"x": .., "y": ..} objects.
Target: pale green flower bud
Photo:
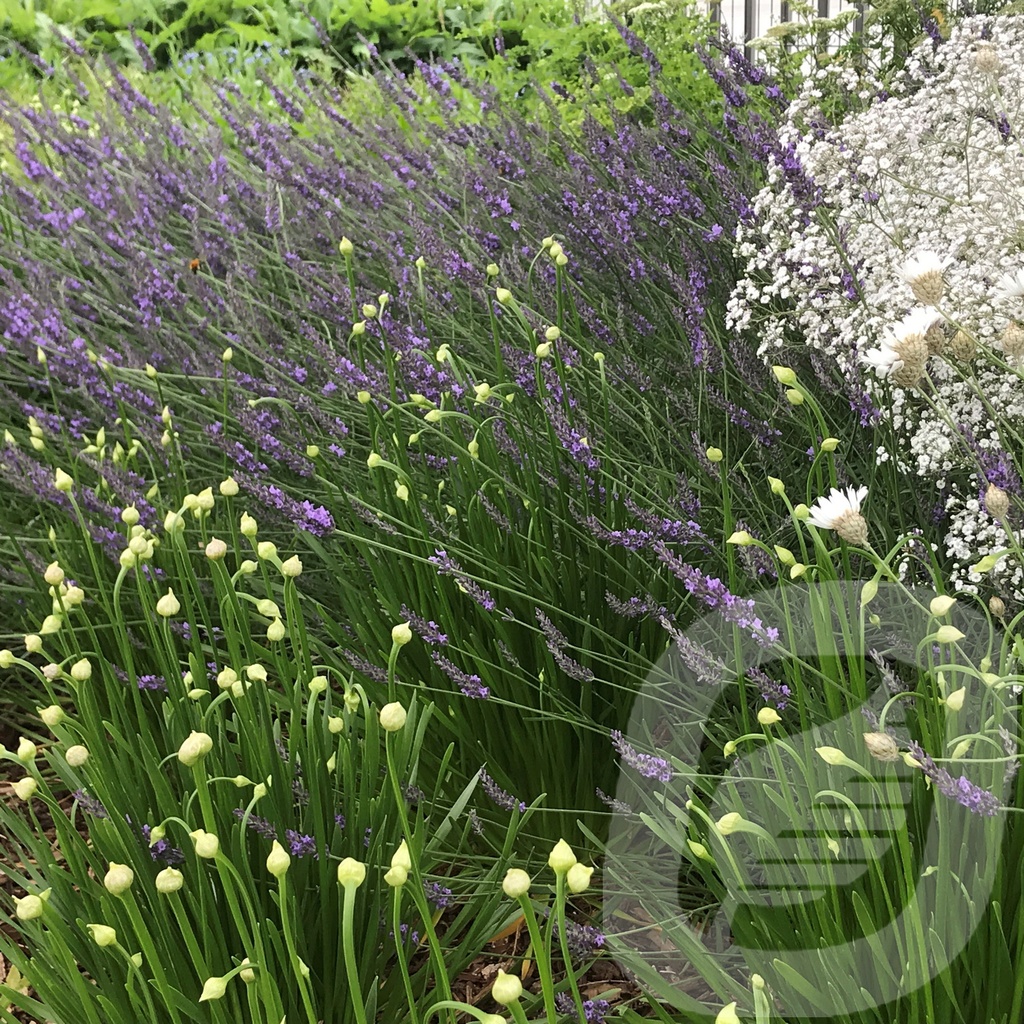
[
  {"x": 26, "y": 752},
  {"x": 54, "y": 574},
  {"x": 226, "y": 678},
  {"x": 728, "y": 1015},
  {"x": 51, "y": 624},
  {"x": 228, "y": 487},
  {"x": 516, "y": 883},
  {"x": 578, "y": 877},
  {"x": 256, "y": 673},
  {"x": 392, "y": 717},
  {"x": 248, "y": 525},
  {"x": 729, "y": 823},
  {"x": 292, "y": 567},
  {"x": 206, "y": 843},
  {"x": 103, "y": 935},
  {"x": 955, "y": 701},
  {"x": 247, "y": 974},
  {"x": 216, "y": 549},
  {"x": 784, "y": 375},
  {"x": 81, "y": 671},
  {"x": 740, "y": 538},
  {"x": 714, "y": 454},
  {"x": 28, "y": 908},
  {"x": 26, "y": 788},
  {"x": 794, "y": 397},
  {"x": 318, "y": 684},
  {"x": 833, "y": 756},
  {"x": 33, "y": 643},
  {"x": 396, "y": 877},
  {"x": 278, "y": 860},
  {"x": 62, "y": 481},
  {"x": 335, "y": 724},
  {"x": 275, "y": 631},
  {"x": 400, "y": 858},
  {"x": 507, "y": 988},
  {"x": 940, "y": 605},
  {"x": 948, "y": 634},
  {"x": 698, "y": 850},
  {"x": 561, "y": 857},
  {"x": 6, "y": 659},
  {"x": 194, "y": 748},
  {"x": 503, "y": 295},
  {"x": 268, "y": 609},
  {"x": 401, "y": 634},
  {"x": 51, "y": 716},
  {"x": 345, "y": 246},
  {"x": 213, "y": 989},
  {"x": 266, "y": 549},
  {"x": 768, "y": 716},
  {"x": 552, "y": 333},
  {"x": 351, "y": 873},
  {"x": 76, "y": 756},
  {"x": 118, "y": 879},
  {"x": 168, "y": 605}
]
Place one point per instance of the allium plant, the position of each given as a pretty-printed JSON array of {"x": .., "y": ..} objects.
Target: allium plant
[
  {"x": 827, "y": 828},
  {"x": 236, "y": 802},
  {"x": 469, "y": 365},
  {"x": 888, "y": 247}
]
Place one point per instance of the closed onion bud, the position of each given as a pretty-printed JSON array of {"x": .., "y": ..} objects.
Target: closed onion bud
[
  {"x": 516, "y": 883},
  {"x": 169, "y": 880},
  {"x": 194, "y": 748},
  {"x": 578, "y": 877},
  {"x": 392, "y": 717},
  {"x": 507, "y": 988},
  {"x": 118, "y": 879}
]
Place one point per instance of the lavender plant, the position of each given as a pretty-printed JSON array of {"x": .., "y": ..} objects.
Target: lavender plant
[{"x": 473, "y": 365}]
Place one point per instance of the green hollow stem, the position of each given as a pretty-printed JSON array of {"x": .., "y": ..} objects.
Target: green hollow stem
[{"x": 348, "y": 944}]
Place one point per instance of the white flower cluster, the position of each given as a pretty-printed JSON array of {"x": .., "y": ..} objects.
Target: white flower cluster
[{"x": 893, "y": 243}]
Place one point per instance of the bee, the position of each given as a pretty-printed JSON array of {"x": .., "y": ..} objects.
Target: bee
[{"x": 194, "y": 265}]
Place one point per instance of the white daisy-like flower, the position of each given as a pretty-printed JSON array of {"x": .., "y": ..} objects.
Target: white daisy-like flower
[
  {"x": 1010, "y": 286},
  {"x": 916, "y": 324},
  {"x": 884, "y": 359},
  {"x": 923, "y": 272},
  {"x": 840, "y": 511}
]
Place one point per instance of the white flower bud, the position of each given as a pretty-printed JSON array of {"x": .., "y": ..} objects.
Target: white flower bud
[
  {"x": 401, "y": 634},
  {"x": 516, "y": 883},
  {"x": 206, "y": 843},
  {"x": 278, "y": 860},
  {"x": 195, "y": 747},
  {"x": 392, "y": 717},
  {"x": 118, "y": 879},
  {"x": 561, "y": 857},
  {"x": 28, "y": 908},
  {"x": 76, "y": 755},
  {"x": 216, "y": 549},
  {"x": 351, "y": 873},
  {"x": 213, "y": 989},
  {"x": 507, "y": 988},
  {"x": 81, "y": 671},
  {"x": 26, "y": 788},
  {"x": 51, "y": 716},
  {"x": 168, "y": 605},
  {"x": 169, "y": 880},
  {"x": 103, "y": 935},
  {"x": 578, "y": 877}
]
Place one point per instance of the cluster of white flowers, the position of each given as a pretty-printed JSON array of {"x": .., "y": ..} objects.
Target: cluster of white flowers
[{"x": 896, "y": 247}]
